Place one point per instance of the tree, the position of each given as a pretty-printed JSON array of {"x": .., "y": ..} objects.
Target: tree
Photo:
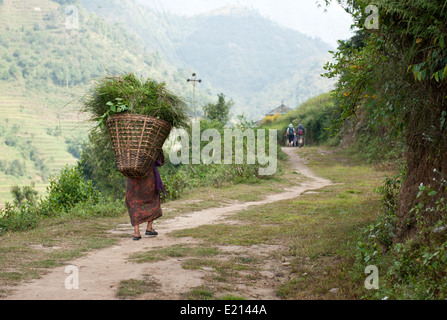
[
  {"x": 219, "y": 111},
  {"x": 27, "y": 193},
  {"x": 398, "y": 76}
]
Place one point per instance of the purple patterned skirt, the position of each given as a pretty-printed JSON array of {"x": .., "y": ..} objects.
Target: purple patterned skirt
[{"x": 143, "y": 197}]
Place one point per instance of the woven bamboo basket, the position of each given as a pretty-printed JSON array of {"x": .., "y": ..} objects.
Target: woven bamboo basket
[{"x": 136, "y": 140}]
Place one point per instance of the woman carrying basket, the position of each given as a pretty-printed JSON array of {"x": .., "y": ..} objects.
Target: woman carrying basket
[{"x": 143, "y": 199}]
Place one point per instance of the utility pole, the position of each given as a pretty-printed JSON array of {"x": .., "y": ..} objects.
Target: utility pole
[{"x": 194, "y": 81}]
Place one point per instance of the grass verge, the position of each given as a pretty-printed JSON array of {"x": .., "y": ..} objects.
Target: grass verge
[
  {"x": 312, "y": 236},
  {"x": 29, "y": 254},
  {"x": 300, "y": 247}
]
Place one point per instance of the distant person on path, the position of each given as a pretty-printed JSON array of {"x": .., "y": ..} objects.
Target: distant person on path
[
  {"x": 291, "y": 134},
  {"x": 300, "y": 132},
  {"x": 143, "y": 199}
]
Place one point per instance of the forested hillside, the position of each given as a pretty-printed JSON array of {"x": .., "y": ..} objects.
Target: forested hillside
[
  {"x": 234, "y": 50},
  {"x": 48, "y": 64},
  {"x": 45, "y": 69}
]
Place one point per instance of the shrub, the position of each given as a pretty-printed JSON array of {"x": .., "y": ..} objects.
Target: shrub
[
  {"x": 23, "y": 215},
  {"x": 26, "y": 194},
  {"x": 16, "y": 168},
  {"x": 98, "y": 164},
  {"x": 66, "y": 190},
  {"x": 175, "y": 184},
  {"x": 103, "y": 207},
  {"x": 417, "y": 267},
  {"x": 18, "y": 218}
]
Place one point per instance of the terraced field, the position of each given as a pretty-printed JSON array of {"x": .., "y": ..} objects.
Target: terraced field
[
  {"x": 33, "y": 122},
  {"x": 41, "y": 127},
  {"x": 43, "y": 68},
  {"x": 23, "y": 13}
]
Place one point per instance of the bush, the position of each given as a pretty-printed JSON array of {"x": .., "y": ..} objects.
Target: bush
[
  {"x": 16, "y": 168},
  {"x": 69, "y": 195},
  {"x": 18, "y": 218},
  {"x": 175, "y": 184},
  {"x": 417, "y": 267},
  {"x": 23, "y": 215},
  {"x": 67, "y": 190},
  {"x": 24, "y": 195},
  {"x": 98, "y": 164},
  {"x": 74, "y": 146},
  {"x": 104, "y": 207}
]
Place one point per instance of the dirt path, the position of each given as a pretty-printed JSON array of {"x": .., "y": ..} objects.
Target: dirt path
[{"x": 101, "y": 272}]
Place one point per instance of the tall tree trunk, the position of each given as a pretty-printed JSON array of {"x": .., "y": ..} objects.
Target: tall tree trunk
[{"x": 427, "y": 152}]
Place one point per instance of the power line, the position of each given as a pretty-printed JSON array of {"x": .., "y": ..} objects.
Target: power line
[
  {"x": 168, "y": 29},
  {"x": 174, "y": 40},
  {"x": 160, "y": 43}
]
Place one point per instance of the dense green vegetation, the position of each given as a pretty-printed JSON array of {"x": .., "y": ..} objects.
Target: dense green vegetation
[
  {"x": 394, "y": 75},
  {"x": 397, "y": 75},
  {"x": 414, "y": 268},
  {"x": 389, "y": 107},
  {"x": 316, "y": 115},
  {"x": 69, "y": 194}
]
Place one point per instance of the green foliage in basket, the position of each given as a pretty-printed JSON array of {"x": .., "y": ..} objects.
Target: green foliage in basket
[{"x": 127, "y": 93}]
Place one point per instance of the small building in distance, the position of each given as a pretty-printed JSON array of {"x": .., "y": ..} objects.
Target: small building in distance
[
  {"x": 274, "y": 114},
  {"x": 282, "y": 110}
]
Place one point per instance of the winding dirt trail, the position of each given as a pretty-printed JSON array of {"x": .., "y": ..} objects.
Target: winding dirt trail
[{"x": 101, "y": 272}]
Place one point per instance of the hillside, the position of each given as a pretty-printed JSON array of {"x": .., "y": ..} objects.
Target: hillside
[
  {"x": 257, "y": 61},
  {"x": 45, "y": 69},
  {"x": 234, "y": 50}
]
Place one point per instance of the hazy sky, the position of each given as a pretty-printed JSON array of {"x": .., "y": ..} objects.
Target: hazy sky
[{"x": 301, "y": 15}]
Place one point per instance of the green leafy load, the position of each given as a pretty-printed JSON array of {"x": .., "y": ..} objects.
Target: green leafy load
[{"x": 126, "y": 93}]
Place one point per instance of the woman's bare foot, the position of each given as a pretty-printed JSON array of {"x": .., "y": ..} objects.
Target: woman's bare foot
[
  {"x": 136, "y": 234},
  {"x": 150, "y": 231}
]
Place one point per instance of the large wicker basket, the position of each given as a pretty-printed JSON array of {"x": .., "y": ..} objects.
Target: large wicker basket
[{"x": 137, "y": 141}]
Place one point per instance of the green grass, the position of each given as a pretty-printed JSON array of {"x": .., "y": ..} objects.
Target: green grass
[
  {"x": 176, "y": 251},
  {"x": 307, "y": 240},
  {"x": 200, "y": 293},
  {"x": 132, "y": 288},
  {"x": 28, "y": 255},
  {"x": 314, "y": 231}
]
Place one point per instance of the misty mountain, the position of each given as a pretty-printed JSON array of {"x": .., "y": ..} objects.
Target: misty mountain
[
  {"x": 234, "y": 50},
  {"x": 45, "y": 67}
]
